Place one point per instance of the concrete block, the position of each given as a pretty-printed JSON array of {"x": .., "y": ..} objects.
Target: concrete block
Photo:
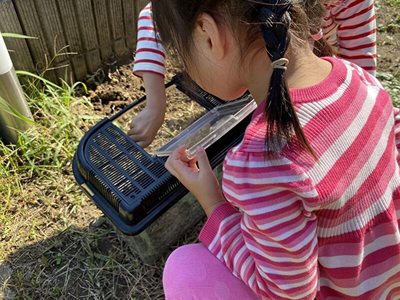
[
  {"x": 157, "y": 239},
  {"x": 93, "y": 60},
  {"x": 120, "y": 47}
]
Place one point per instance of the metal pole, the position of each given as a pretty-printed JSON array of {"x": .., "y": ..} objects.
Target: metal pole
[{"x": 11, "y": 91}]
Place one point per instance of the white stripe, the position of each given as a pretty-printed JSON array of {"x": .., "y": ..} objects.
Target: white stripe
[
  {"x": 388, "y": 290},
  {"x": 228, "y": 255},
  {"x": 304, "y": 115},
  {"x": 348, "y": 261},
  {"x": 367, "y": 168},
  {"x": 221, "y": 226},
  {"x": 148, "y": 66},
  {"x": 150, "y": 44},
  {"x": 300, "y": 296},
  {"x": 340, "y": 146},
  {"x": 149, "y": 55},
  {"x": 284, "y": 259},
  {"x": 269, "y": 209},
  {"x": 145, "y": 23},
  {"x": 361, "y": 220},
  {"x": 288, "y": 233},
  {"x": 288, "y": 286},
  {"x": 269, "y": 180},
  {"x": 258, "y": 164},
  {"x": 219, "y": 255},
  {"x": 278, "y": 245},
  {"x": 365, "y": 286},
  {"x": 228, "y": 234},
  {"x": 245, "y": 265},
  {"x": 265, "y": 193},
  {"x": 252, "y": 280}
]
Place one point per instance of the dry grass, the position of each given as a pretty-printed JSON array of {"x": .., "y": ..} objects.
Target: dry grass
[{"x": 53, "y": 243}]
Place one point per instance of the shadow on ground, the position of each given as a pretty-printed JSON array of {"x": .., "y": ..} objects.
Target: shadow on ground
[{"x": 83, "y": 263}]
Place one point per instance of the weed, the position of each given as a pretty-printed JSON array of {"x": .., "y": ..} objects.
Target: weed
[{"x": 392, "y": 85}]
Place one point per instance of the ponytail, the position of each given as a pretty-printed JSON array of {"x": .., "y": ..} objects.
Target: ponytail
[{"x": 280, "y": 114}]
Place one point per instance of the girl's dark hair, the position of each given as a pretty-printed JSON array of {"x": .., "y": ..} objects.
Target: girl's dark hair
[{"x": 278, "y": 22}]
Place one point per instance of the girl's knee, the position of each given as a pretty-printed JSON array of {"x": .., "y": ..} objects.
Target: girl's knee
[
  {"x": 184, "y": 268},
  {"x": 184, "y": 258}
]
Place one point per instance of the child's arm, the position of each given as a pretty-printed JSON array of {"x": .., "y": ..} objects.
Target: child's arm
[
  {"x": 356, "y": 32},
  {"x": 145, "y": 125},
  {"x": 149, "y": 65},
  {"x": 272, "y": 244}
]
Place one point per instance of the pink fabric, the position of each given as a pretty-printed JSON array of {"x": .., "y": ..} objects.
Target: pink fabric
[{"x": 192, "y": 272}]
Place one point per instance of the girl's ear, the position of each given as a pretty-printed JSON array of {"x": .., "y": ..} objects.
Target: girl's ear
[{"x": 210, "y": 37}]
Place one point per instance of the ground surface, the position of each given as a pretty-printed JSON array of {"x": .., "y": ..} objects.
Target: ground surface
[{"x": 53, "y": 241}]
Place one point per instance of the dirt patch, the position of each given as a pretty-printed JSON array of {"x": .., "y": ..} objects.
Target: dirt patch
[
  {"x": 120, "y": 88},
  {"x": 388, "y": 36}
]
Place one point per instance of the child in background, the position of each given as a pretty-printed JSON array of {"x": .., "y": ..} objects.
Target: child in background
[
  {"x": 310, "y": 200},
  {"x": 348, "y": 25}
]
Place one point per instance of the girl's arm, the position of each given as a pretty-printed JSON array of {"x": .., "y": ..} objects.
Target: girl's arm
[
  {"x": 356, "y": 31},
  {"x": 271, "y": 243},
  {"x": 149, "y": 65}
]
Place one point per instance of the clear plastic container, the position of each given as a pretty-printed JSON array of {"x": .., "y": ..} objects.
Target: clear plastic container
[{"x": 210, "y": 127}]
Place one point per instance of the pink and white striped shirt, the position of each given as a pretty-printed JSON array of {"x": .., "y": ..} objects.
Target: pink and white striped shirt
[
  {"x": 348, "y": 25},
  {"x": 327, "y": 229}
]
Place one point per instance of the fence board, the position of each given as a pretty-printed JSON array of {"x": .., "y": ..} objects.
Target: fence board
[
  {"x": 71, "y": 29},
  {"x": 52, "y": 28},
  {"x": 140, "y": 4},
  {"x": 87, "y": 25},
  {"x": 116, "y": 19},
  {"x": 130, "y": 23},
  {"x": 19, "y": 50},
  {"x": 129, "y": 17},
  {"x": 93, "y": 29},
  {"x": 31, "y": 26},
  {"x": 102, "y": 22}
]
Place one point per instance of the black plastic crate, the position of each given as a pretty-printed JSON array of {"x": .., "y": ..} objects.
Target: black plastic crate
[{"x": 129, "y": 185}]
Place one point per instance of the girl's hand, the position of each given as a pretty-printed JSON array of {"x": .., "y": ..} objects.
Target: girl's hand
[
  {"x": 200, "y": 181},
  {"x": 145, "y": 125}
]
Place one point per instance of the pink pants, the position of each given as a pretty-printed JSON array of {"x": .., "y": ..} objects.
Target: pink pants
[{"x": 193, "y": 273}]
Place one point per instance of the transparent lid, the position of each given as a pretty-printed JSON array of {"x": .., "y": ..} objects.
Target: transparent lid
[{"x": 210, "y": 127}]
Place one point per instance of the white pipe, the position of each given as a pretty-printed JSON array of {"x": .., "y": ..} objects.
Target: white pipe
[{"x": 5, "y": 59}]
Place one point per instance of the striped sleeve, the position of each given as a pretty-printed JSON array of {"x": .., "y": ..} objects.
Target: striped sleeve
[
  {"x": 396, "y": 112},
  {"x": 352, "y": 25},
  {"x": 271, "y": 242},
  {"x": 150, "y": 53}
]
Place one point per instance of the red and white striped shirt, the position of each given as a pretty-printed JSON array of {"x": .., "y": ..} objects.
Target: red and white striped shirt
[
  {"x": 327, "y": 229},
  {"x": 150, "y": 54},
  {"x": 348, "y": 25}
]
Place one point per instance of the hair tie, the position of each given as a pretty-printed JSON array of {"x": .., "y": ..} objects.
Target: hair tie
[
  {"x": 280, "y": 63},
  {"x": 317, "y": 36}
]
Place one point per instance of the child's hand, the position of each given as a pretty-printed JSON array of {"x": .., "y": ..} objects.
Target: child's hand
[
  {"x": 200, "y": 181},
  {"x": 144, "y": 126}
]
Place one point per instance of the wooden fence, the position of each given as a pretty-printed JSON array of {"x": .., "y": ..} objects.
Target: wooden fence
[{"x": 93, "y": 29}]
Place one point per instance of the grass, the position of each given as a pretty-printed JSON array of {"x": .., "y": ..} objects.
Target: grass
[{"x": 48, "y": 250}]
